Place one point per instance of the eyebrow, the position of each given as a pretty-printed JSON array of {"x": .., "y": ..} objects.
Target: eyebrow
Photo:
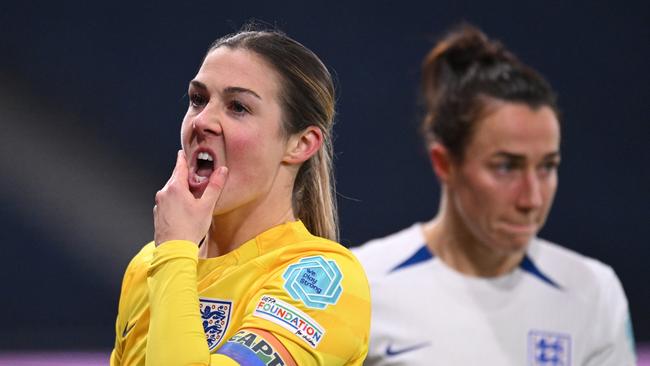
[
  {"x": 518, "y": 157},
  {"x": 228, "y": 90}
]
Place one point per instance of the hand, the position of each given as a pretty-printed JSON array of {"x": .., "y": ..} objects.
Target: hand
[{"x": 177, "y": 215}]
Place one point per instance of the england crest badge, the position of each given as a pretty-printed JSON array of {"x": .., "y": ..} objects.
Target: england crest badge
[
  {"x": 549, "y": 348},
  {"x": 215, "y": 315}
]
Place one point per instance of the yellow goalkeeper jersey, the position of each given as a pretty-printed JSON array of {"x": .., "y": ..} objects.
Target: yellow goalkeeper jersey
[{"x": 285, "y": 297}]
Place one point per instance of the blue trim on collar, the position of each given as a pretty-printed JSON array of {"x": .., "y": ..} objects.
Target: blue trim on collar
[
  {"x": 423, "y": 254},
  {"x": 529, "y": 266}
]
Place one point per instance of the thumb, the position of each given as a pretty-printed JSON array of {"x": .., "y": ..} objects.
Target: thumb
[{"x": 215, "y": 186}]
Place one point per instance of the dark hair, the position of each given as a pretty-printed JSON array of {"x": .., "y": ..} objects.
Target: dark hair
[
  {"x": 307, "y": 99},
  {"x": 462, "y": 74}
]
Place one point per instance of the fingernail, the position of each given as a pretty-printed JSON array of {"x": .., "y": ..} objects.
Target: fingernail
[{"x": 223, "y": 170}]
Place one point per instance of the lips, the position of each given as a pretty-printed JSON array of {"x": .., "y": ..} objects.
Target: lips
[
  {"x": 520, "y": 228},
  {"x": 201, "y": 166}
]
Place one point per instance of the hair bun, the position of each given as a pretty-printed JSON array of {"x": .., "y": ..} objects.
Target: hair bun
[
  {"x": 461, "y": 72},
  {"x": 465, "y": 48},
  {"x": 462, "y": 54}
]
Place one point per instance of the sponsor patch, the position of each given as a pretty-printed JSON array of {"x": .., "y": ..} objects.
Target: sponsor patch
[
  {"x": 549, "y": 349},
  {"x": 290, "y": 318},
  {"x": 215, "y": 315},
  {"x": 314, "y": 281},
  {"x": 249, "y": 348}
]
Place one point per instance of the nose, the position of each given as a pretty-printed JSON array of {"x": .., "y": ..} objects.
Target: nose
[
  {"x": 207, "y": 123},
  {"x": 530, "y": 194}
]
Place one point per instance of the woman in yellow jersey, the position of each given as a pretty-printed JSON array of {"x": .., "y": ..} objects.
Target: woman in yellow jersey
[{"x": 244, "y": 268}]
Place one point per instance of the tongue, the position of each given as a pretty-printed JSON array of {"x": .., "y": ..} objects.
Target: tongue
[{"x": 204, "y": 171}]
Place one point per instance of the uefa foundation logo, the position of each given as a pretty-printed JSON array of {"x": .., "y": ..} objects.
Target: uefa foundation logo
[{"x": 314, "y": 281}]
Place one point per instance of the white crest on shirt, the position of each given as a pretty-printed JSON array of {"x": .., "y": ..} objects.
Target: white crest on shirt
[{"x": 215, "y": 316}]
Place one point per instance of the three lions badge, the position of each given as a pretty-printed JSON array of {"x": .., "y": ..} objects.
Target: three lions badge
[{"x": 215, "y": 316}]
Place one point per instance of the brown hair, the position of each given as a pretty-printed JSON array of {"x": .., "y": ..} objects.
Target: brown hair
[
  {"x": 462, "y": 74},
  {"x": 307, "y": 98}
]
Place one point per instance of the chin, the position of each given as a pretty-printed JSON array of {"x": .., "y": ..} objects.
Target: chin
[{"x": 516, "y": 244}]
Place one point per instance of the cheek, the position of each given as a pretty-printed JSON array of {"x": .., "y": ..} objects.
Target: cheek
[
  {"x": 248, "y": 156},
  {"x": 186, "y": 133},
  {"x": 241, "y": 148},
  {"x": 480, "y": 190},
  {"x": 481, "y": 200}
]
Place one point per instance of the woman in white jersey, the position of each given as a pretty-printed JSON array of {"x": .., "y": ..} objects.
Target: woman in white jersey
[{"x": 474, "y": 285}]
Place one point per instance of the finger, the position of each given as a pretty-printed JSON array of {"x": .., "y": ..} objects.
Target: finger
[
  {"x": 180, "y": 170},
  {"x": 215, "y": 186},
  {"x": 174, "y": 172}
]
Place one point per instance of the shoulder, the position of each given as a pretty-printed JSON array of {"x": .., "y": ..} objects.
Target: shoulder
[
  {"x": 379, "y": 256},
  {"x": 142, "y": 259},
  {"x": 298, "y": 245},
  {"x": 136, "y": 271},
  {"x": 321, "y": 288},
  {"x": 326, "y": 260},
  {"x": 575, "y": 272},
  {"x": 596, "y": 286},
  {"x": 568, "y": 265},
  {"x": 311, "y": 268}
]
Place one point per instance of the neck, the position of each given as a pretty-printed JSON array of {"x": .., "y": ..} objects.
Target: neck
[
  {"x": 450, "y": 240},
  {"x": 230, "y": 230}
]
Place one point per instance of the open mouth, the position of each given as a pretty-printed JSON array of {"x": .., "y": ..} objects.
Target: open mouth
[
  {"x": 201, "y": 169},
  {"x": 204, "y": 167}
]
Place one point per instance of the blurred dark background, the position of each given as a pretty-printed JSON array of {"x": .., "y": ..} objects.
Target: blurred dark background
[{"x": 92, "y": 95}]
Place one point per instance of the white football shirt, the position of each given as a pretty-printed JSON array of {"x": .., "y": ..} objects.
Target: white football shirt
[{"x": 557, "y": 308}]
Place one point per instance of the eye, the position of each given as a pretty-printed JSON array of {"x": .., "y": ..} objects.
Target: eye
[
  {"x": 504, "y": 167},
  {"x": 549, "y": 167},
  {"x": 238, "y": 107},
  {"x": 197, "y": 100}
]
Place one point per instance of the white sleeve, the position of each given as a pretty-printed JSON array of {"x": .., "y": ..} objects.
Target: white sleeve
[{"x": 613, "y": 328}]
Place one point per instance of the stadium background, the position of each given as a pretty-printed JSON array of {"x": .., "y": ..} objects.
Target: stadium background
[{"x": 92, "y": 95}]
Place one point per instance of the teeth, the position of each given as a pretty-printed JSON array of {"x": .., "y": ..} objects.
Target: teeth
[
  {"x": 200, "y": 179},
  {"x": 204, "y": 156}
]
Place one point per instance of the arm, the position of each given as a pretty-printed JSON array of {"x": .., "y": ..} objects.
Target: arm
[
  {"x": 617, "y": 342},
  {"x": 175, "y": 335}
]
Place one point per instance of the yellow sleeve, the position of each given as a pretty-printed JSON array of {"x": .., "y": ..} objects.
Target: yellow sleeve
[{"x": 175, "y": 334}]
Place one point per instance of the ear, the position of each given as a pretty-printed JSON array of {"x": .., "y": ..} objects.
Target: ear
[
  {"x": 440, "y": 161},
  {"x": 303, "y": 145}
]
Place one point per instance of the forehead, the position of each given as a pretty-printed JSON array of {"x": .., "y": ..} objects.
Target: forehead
[
  {"x": 516, "y": 128},
  {"x": 226, "y": 67}
]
